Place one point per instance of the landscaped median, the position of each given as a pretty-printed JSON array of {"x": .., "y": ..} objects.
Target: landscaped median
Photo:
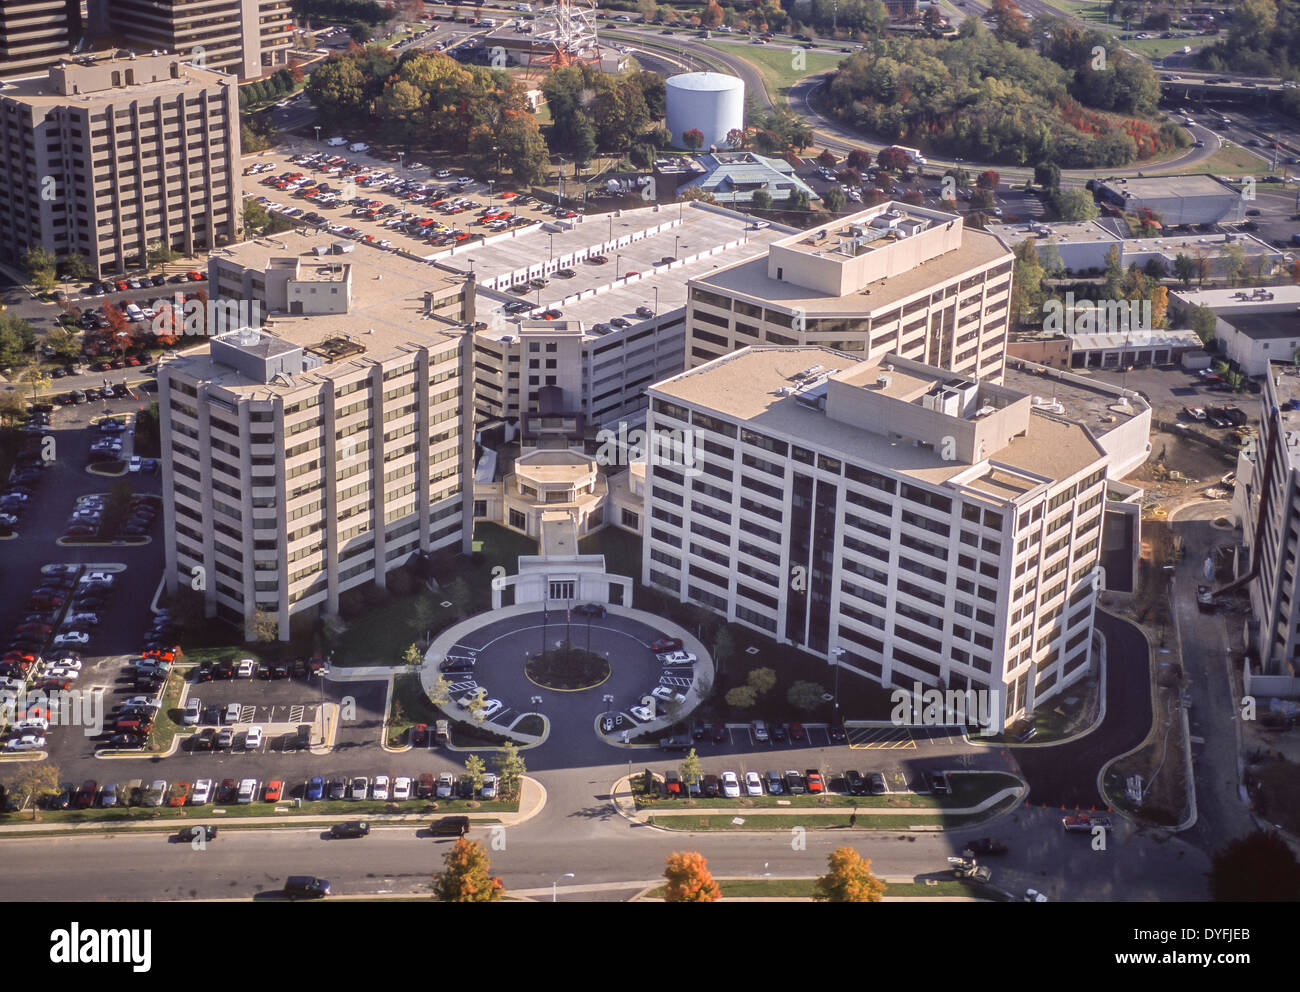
[
  {"x": 803, "y": 888},
  {"x": 975, "y": 796}
]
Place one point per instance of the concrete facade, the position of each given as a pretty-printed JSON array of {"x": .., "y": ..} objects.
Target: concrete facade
[
  {"x": 35, "y": 34},
  {"x": 106, "y": 156}
]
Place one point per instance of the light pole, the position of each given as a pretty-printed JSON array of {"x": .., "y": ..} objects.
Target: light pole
[
  {"x": 617, "y": 258},
  {"x": 837, "y": 653},
  {"x": 401, "y": 165},
  {"x": 676, "y": 240},
  {"x": 556, "y": 885},
  {"x": 317, "y": 126},
  {"x": 656, "y": 301},
  {"x": 552, "y": 244},
  {"x": 491, "y": 194}
]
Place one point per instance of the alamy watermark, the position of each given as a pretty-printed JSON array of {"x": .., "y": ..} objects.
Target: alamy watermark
[
  {"x": 180, "y": 316},
  {"x": 924, "y": 707},
  {"x": 672, "y": 449},
  {"x": 1099, "y": 317},
  {"x": 65, "y": 707}
]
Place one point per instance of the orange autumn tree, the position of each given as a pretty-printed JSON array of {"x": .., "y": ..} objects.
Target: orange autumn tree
[
  {"x": 689, "y": 879},
  {"x": 467, "y": 877},
  {"x": 849, "y": 879}
]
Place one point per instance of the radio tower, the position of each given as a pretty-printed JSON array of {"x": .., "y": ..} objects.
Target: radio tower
[{"x": 574, "y": 34}]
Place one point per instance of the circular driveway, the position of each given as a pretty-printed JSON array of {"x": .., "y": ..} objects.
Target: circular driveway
[{"x": 502, "y": 641}]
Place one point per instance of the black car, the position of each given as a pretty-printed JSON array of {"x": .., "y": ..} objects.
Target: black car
[
  {"x": 876, "y": 782},
  {"x": 720, "y": 733},
  {"x": 838, "y": 735},
  {"x": 338, "y": 788},
  {"x": 204, "y": 672},
  {"x": 590, "y": 610},
  {"x": 352, "y": 828},
  {"x": 938, "y": 782},
  {"x": 224, "y": 669},
  {"x": 212, "y": 714},
  {"x": 194, "y": 831},
  {"x": 305, "y": 887},
  {"x": 204, "y": 740},
  {"x": 465, "y": 788},
  {"x": 128, "y": 740},
  {"x": 855, "y": 783},
  {"x": 279, "y": 670},
  {"x": 794, "y": 783},
  {"x": 457, "y": 825},
  {"x": 985, "y": 846},
  {"x": 63, "y": 798},
  {"x": 779, "y": 734},
  {"x": 457, "y": 665},
  {"x": 698, "y": 730},
  {"x": 712, "y": 786}
]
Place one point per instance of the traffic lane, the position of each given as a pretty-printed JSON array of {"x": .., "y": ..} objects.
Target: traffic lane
[
  {"x": 1066, "y": 774},
  {"x": 251, "y": 863}
]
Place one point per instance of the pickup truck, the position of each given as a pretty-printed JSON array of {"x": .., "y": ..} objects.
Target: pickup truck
[
  {"x": 1085, "y": 823},
  {"x": 682, "y": 742}
]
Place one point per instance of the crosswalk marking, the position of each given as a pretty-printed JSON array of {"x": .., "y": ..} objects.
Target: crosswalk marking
[{"x": 881, "y": 738}]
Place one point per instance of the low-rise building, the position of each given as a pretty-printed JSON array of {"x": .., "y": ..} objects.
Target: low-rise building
[
  {"x": 732, "y": 178},
  {"x": 1176, "y": 200},
  {"x": 1255, "y": 327}
]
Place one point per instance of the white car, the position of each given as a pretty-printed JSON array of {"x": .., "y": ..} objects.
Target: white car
[
  {"x": 247, "y": 668},
  {"x": 27, "y": 742},
  {"x": 489, "y": 790},
  {"x": 149, "y": 702},
  {"x": 83, "y": 619},
  {"x": 676, "y": 658},
  {"x": 135, "y": 464},
  {"x": 642, "y": 713},
  {"x": 491, "y": 708},
  {"x": 446, "y": 784},
  {"x": 202, "y": 793},
  {"x": 666, "y": 694},
  {"x": 360, "y": 786},
  {"x": 401, "y": 789},
  {"x": 247, "y": 791},
  {"x": 753, "y": 784},
  {"x": 379, "y": 789},
  {"x": 69, "y": 664},
  {"x": 730, "y": 785},
  {"x": 105, "y": 577},
  {"x": 193, "y": 711},
  {"x": 32, "y": 725},
  {"x": 253, "y": 738},
  {"x": 233, "y": 712},
  {"x": 336, "y": 142},
  {"x": 72, "y": 637}
]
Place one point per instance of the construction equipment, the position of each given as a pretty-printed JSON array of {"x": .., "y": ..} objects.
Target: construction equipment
[{"x": 968, "y": 868}]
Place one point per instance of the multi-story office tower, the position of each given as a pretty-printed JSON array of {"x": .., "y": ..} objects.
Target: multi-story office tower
[
  {"x": 934, "y": 528},
  {"x": 318, "y": 452},
  {"x": 1267, "y": 502},
  {"x": 107, "y": 156},
  {"x": 891, "y": 279},
  {"x": 35, "y": 34},
  {"x": 248, "y": 38}
]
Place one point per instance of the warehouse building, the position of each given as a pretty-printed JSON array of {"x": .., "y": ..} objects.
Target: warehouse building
[{"x": 1177, "y": 200}]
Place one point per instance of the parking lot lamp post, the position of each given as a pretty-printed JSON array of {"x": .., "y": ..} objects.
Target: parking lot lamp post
[
  {"x": 556, "y": 884},
  {"x": 552, "y": 243},
  {"x": 837, "y": 653},
  {"x": 317, "y": 127},
  {"x": 676, "y": 240},
  {"x": 656, "y": 301}
]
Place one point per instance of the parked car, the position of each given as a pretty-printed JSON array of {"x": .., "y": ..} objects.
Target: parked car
[
  {"x": 359, "y": 787},
  {"x": 730, "y": 785},
  {"x": 854, "y": 783},
  {"x": 876, "y": 783},
  {"x": 712, "y": 786},
  {"x": 247, "y": 791},
  {"x": 315, "y": 789},
  {"x": 201, "y": 794},
  {"x": 813, "y": 779},
  {"x": 446, "y": 784},
  {"x": 794, "y": 783}
]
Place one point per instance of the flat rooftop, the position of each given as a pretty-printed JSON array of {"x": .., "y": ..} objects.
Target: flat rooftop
[
  {"x": 1266, "y": 326},
  {"x": 750, "y": 279},
  {"x": 701, "y": 228},
  {"x": 1265, "y": 299},
  {"x": 386, "y": 314},
  {"x": 1159, "y": 187},
  {"x": 749, "y": 385},
  {"x": 1091, "y": 402},
  {"x": 37, "y": 90},
  {"x": 1286, "y": 384}
]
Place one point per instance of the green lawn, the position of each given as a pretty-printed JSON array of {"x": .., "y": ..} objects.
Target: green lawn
[
  {"x": 1227, "y": 161},
  {"x": 775, "y": 63}
]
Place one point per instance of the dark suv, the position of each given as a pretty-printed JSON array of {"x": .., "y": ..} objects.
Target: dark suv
[
  {"x": 855, "y": 783},
  {"x": 794, "y": 783},
  {"x": 712, "y": 786}
]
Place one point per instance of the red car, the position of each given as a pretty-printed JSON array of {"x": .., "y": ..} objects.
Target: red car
[
  {"x": 666, "y": 644},
  {"x": 814, "y": 780},
  {"x": 274, "y": 789},
  {"x": 85, "y": 797},
  {"x": 797, "y": 733}
]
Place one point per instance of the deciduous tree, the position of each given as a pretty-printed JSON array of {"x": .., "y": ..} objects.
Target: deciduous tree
[
  {"x": 849, "y": 879},
  {"x": 467, "y": 876},
  {"x": 689, "y": 879}
]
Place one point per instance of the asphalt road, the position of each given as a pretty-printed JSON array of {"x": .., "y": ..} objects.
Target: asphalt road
[
  {"x": 606, "y": 854},
  {"x": 1066, "y": 775}
]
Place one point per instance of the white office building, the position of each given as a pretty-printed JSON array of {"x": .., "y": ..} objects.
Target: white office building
[{"x": 932, "y": 527}]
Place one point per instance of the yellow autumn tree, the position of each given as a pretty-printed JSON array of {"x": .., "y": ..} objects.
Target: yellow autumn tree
[
  {"x": 1159, "y": 306},
  {"x": 849, "y": 879},
  {"x": 689, "y": 879},
  {"x": 467, "y": 877}
]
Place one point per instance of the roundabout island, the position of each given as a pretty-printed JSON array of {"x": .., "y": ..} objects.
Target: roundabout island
[{"x": 589, "y": 668}]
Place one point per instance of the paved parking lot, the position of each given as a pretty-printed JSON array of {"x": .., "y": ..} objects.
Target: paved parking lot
[{"x": 344, "y": 214}]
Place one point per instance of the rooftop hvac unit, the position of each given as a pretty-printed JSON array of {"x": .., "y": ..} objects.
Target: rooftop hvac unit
[{"x": 884, "y": 381}]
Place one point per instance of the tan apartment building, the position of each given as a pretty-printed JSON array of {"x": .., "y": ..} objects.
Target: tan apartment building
[
  {"x": 35, "y": 34},
  {"x": 247, "y": 38},
  {"x": 319, "y": 451},
  {"x": 107, "y": 155},
  {"x": 891, "y": 279}
]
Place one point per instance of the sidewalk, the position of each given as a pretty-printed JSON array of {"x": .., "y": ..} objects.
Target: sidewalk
[{"x": 532, "y": 800}]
